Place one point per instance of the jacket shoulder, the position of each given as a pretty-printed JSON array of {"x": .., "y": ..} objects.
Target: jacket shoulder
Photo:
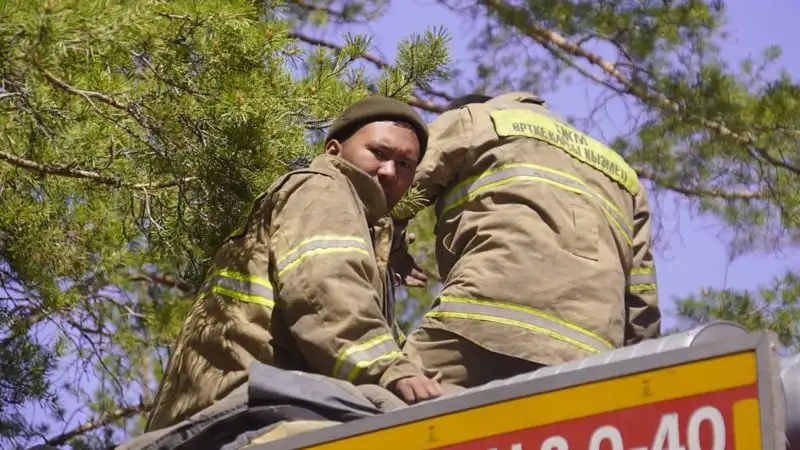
[
  {"x": 321, "y": 177},
  {"x": 539, "y": 123}
]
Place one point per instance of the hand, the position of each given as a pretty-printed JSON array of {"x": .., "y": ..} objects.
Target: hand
[
  {"x": 416, "y": 389},
  {"x": 411, "y": 274}
]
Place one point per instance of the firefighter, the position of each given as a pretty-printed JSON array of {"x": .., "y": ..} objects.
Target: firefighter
[
  {"x": 302, "y": 284},
  {"x": 542, "y": 244}
]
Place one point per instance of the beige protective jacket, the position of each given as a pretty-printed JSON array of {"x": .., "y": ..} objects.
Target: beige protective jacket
[
  {"x": 302, "y": 286},
  {"x": 543, "y": 234}
]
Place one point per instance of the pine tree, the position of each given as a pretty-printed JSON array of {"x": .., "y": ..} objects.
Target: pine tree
[{"x": 135, "y": 134}]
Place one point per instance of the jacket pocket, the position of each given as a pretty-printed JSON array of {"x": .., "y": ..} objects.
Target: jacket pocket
[
  {"x": 586, "y": 243},
  {"x": 443, "y": 251},
  {"x": 446, "y": 229}
]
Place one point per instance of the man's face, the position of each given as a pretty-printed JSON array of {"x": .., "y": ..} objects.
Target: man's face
[{"x": 386, "y": 151}]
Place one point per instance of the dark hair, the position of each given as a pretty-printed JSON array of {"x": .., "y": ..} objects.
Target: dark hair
[{"x": 466, "y": 100}]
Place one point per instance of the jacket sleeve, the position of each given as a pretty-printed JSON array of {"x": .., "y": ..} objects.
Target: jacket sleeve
[
  {"x": 641, "y": 298},
  {"x": 323, "y": 264},
  {"x": 450, "y": 140}
]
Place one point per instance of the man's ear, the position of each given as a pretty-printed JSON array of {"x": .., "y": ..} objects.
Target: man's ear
[{"x": 333, "y": 147}]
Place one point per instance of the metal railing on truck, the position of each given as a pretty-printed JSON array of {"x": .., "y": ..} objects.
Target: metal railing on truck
[{"x": 715, "y": 387}]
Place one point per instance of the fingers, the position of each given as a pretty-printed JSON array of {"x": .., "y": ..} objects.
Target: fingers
[
  {"x": 416, "y": 278},
  {"x": 434, "y": 388},
  {"x": 419, "y": 274},
  {"x": 409, "y": 272},
  {"x": 426, "y": 389},
  {"x": 405, "y": 391},
  {"x": 413, "y": 282},
  {"x": 418, "y": 388}
]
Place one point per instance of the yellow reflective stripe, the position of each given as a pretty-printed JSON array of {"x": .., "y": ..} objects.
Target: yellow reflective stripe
[
  {"x": 642, "y": 279},
  {"x": 522, "y": 317},
  {"x": 240, "y": 286},
  {"x": 515, "y": 172},
  {"x": 239, "y": 296},
  {"x": 350, "y": 362},
  {"x": 227, "y": 273},
  {"x": 319, "y": 245},
  {"x": 642, "y": 288},
  {"x": 351, "y": 376},
  {"x": 527, "y": 123}
]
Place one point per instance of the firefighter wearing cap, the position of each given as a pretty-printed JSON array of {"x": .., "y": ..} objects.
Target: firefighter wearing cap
[
  {"x": 302, "y": 285},
  {"x": 542, "y": 243}
]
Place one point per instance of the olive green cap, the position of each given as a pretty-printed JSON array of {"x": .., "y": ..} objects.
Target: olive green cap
[{"x": 376, "y": 109}]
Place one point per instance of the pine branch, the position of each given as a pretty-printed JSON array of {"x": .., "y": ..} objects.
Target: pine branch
[
  {"x": 52, "y": 169},
  {"x": 6, "y": 95},
  {"x": 414, "y": 100},
  {"x": 425, "y": 104},
  {"x": 338, "y": 48},
  {"x": 412, "y": 202},
  {"x": 166, "y": 279},
  {"x": 698, "y": 191},
  {"x": 130, "y": 109},
  {"x": 549, "y": 38},
  {"x": 121, "y": 413},
  {"x": 379, "y": 63},
  {"x": 340, "y": 14},
  {"x": 88, "y": 95},
  {"x": 326, "y": 9}
]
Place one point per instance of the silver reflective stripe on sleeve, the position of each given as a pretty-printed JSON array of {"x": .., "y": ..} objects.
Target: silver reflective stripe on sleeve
[
  {"x": 642, "y": 280},
  {"x": 521, "y": 317},
  {"x": 351, "y": 361},
  {"x": 511, "y": 173},
  {"x": 320, "y": 245},
  {"x": 240, "y": 286}
]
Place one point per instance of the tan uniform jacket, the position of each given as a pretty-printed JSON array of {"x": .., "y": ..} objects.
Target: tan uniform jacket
[
  {"x": 301, "y": 286},
  {"x": 543, "y": 235}
]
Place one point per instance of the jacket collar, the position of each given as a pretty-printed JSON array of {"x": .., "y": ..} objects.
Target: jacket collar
[
  {"x": 517, "y": 97},
  {"x": 369, "y": 191}
]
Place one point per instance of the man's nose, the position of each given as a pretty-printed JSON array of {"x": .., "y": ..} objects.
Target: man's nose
[{"x": 386, "y": 169}]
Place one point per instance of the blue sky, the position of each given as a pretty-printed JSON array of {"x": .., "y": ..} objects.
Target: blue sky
[{"x": 692, "y": 255}]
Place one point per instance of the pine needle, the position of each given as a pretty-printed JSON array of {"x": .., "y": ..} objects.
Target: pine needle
[{"x": 413, "y": 202}]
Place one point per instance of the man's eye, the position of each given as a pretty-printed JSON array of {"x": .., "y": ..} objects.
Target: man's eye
[{"x": 405, "y": 164}]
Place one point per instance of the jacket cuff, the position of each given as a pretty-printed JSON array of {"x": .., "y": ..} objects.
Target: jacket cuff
[{"x": 403, "y": 368}]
